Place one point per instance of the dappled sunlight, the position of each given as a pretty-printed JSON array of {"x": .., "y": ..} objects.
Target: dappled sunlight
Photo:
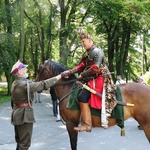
[
  {"x": 48, "y": 105},
  {"x": 38, "y": 144},
  {"x": 45, "y": 94},
  {"x": 62, "y": 126},
  {"x": 146, "y": 77},
  {"x": 5, "y": 118}
]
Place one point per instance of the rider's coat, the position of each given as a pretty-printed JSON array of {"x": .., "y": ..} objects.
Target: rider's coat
[{"x": 90, "y": 64}]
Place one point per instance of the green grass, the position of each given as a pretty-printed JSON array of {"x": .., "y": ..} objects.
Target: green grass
[{"x": 3, "y": 95}]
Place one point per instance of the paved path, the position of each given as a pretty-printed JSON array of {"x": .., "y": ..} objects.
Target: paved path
[{"x": 51, "y": 135}]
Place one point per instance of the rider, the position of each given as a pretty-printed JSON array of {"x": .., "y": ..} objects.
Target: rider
[{"x": 91, "y": 62}]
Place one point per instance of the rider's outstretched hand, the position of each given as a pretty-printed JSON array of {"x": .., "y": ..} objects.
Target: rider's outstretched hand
[{"x": 66, "y": 74}]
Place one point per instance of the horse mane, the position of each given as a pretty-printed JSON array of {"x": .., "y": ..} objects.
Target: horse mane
[{"x": 57, "y": 68}]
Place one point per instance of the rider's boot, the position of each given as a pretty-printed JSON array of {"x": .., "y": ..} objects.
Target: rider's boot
[{"x": 86, "y": 118}]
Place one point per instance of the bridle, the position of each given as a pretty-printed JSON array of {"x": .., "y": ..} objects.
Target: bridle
[{"x": 43, "y": 68}]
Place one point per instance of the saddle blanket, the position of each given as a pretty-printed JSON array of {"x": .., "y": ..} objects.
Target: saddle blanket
[{"x": 117, "y": 113}]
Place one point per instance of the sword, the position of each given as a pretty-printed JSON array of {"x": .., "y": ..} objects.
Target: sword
[{"x": 100, "y": 95}]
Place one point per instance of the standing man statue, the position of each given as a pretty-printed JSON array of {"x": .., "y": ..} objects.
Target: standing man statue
[{"x": 22, "y": 94}]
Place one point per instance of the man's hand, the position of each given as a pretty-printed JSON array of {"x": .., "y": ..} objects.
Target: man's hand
[{"x": 66, "y": 74}]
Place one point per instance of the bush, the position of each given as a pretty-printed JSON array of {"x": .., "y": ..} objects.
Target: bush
[{"x": 3, "y": 95}]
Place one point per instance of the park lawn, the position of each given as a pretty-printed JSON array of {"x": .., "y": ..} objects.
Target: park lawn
[{"x": 3, "y": 95}]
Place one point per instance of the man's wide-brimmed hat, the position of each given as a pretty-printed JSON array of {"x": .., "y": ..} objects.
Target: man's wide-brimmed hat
[
  {"x": 18, "y": 66},
  {"x": 86, "y": 35}
]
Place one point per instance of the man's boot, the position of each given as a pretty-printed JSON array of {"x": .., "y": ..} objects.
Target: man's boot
[{"x": 86, "y": 118}]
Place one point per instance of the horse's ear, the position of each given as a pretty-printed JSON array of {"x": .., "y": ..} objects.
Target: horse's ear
[
  {"x": 43, "y": 60},
  {"x": 41, "y": 65}
]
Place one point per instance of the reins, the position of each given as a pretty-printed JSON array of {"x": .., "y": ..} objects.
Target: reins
[
  {"x": 69, "y": 93},
  {"x": 65, "y": 82},
  {"x": 59, "y": 83}
]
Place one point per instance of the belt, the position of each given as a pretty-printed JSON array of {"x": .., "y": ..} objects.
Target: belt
[{"x": 22, "y": 104}]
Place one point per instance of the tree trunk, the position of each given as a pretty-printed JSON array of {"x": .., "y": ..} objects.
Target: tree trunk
[
  {"x": 122, "y": 47},
  {"x": 22, "y": 6},
  {"x": 41, "y": 36},
  {"x": 7, "y": 64},
  {"x": 49, "y": 46},
  {"x": 62, "y": 36},
  {"x": 144, "y": 57},
  {"x": 110, "y": 54},
  {"x": 63, "y": 47}
]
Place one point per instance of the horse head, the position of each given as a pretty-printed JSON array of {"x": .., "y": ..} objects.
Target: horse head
[{"x": 50, "y": 69}]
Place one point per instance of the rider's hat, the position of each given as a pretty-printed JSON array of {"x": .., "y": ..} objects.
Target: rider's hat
[
  {"x": 18, "y": 66},
  {"x": 86, "y": 35}
]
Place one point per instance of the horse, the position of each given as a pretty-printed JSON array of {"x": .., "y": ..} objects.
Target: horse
[{"x": 133, "y": 93}]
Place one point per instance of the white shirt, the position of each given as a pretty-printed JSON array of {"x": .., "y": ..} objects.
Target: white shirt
[{"x": 120, "y": 82}]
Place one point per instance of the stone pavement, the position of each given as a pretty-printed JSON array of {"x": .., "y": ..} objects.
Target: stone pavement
[{"x": 43, "y": 130}]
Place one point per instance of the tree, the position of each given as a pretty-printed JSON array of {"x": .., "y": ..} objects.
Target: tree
[
  {"x": 22, "y": 6},
  {"x": 6, "y": 43},
  {"x": 118, "y": 20}
]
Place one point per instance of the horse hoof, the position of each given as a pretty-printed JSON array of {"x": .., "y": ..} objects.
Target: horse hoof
[
  {"x": 58, "y": 120},
  {"x": 140, "y": 128}
]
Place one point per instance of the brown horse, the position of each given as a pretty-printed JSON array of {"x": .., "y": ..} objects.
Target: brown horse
[{"x": 134, "y": 93}]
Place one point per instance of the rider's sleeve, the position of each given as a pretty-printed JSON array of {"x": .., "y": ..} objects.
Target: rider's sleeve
[
  {"x": 93, "y": 70},
  {"x": 79, "y": 67}
]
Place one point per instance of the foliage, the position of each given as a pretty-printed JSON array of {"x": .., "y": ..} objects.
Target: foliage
[
  {"x": 4, "y": 99},
  {"x": 3, "y": 95},
  {"x": 120, "y": 22},
  {"x": 147, "y": 78}
]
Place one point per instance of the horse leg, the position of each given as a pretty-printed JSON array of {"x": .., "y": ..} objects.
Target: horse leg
[
  {"x": 73, "y": 135},
  {"x": 146, "y": 128},
  {"x": 144, "y": 121}
]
